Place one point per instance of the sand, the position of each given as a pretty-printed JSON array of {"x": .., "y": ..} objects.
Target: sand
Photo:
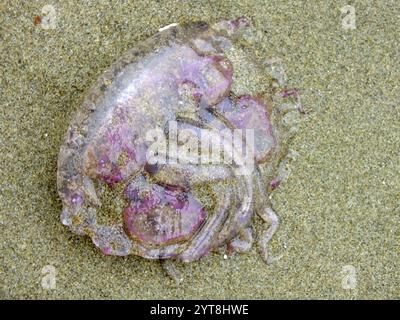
[{"x": 339, "y": 208}]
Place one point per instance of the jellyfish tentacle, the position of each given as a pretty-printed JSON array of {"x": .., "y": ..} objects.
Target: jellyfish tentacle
[
  {"x": 204, "y": 241},
  {"x": 268, "y": 215},
  {"x": 219, "y": 226},
  {"x": 172, "y": 271},
  {"x": 242, "y": 242}
]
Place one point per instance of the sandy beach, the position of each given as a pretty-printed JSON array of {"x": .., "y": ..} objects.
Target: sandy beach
[{"x": 339, "y": 208}]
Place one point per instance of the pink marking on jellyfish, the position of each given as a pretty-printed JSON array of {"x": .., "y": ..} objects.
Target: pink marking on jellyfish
[
  {"x": 162, "y": 215},
  {"x": 107, "y": 250},
  {"x": 211, "y": 76},
  {"x": 248, "y": 112},
  {"x": 118, "y": 142},
  {"x": 77, "y": 200},
  {"x": 275, "y": 184}
]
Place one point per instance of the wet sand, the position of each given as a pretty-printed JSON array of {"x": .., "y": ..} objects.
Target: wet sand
[{"x": 339, "y": 208}]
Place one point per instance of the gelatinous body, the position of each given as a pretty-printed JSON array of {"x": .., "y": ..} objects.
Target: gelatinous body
[{"x": 201, "y": 78}]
